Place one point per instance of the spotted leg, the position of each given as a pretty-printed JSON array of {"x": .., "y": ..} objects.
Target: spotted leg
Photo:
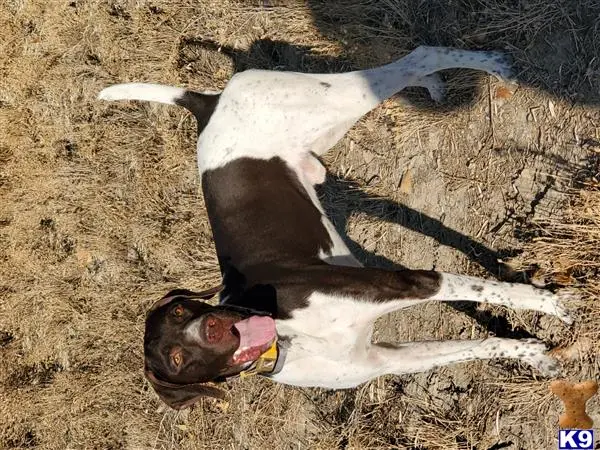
[
  {"x": 512, "y": 295},
  {"x": 421, "y": 356},
  {"x": 434, "y": 85}
]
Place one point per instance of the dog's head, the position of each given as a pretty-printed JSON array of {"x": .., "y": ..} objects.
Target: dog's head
[{"x": 188, "y": 343}]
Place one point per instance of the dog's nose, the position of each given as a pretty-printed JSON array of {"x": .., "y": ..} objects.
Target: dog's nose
[{"x": 213, "y": 328}]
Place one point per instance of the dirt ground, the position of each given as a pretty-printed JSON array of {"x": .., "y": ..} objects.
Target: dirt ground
[{"x": 101, "y": 213}]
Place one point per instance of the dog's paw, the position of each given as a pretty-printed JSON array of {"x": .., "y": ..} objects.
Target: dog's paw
[
  {"x": 566, "y": 304},
  {"x": 547, "y": 366},
  {"x": 529, "y": 351},
  {"x": 562, "y": 304},
  {"x": 535, "y": 353}
]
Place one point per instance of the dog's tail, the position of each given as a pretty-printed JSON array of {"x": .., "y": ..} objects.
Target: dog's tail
[{"x": 199, "y": 104}]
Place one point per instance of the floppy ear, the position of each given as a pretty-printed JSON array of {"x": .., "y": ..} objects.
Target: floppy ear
[
  {"x": 180, "y": 396},
  {"x": 175, "y": 293}
]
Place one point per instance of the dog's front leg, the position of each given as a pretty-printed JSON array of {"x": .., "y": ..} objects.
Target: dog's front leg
[
  {"x": 422, "y": 356},
  {"x": 393, "y": 290},
  {"x": 513, "y": 295}
]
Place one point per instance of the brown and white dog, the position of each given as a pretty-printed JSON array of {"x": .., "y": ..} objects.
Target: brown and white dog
[{"x": 295, "y": 305}]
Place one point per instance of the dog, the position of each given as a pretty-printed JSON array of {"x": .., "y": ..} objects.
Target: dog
[{"x": 295, "y": 305}]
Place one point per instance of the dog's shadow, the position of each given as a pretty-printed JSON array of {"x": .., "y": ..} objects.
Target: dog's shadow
[{"x": 342, "y": 198}]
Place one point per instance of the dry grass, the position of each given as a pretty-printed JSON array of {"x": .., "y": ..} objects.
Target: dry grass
[
  {"x": 566, "y": 252},
  {"x": 101, "y": 213}
]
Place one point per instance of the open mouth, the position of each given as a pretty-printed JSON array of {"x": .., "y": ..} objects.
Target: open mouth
[{"x": 257, "y": 334}]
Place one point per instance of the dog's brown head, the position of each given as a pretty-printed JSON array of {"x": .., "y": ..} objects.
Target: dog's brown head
[{"x": 188, "y": 343}]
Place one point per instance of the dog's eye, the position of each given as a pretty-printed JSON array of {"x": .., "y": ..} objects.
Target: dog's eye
[
  {"x": 177, "y": 359},
  {"x": 178, "y": 311}
]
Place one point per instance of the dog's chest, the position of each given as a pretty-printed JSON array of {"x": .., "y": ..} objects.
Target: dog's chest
[
  {"x": 325, "y": 316},
  {"x": 326, "y": 341}
]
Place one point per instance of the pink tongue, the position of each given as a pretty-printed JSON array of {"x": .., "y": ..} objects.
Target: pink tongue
[{"x": 256, "y": 333}]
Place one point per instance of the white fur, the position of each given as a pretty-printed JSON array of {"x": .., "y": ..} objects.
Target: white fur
[
  {"x": 193, "y": 329},
  {"x": 339, "y": 254},
  {"x": 142, "y": 91}
]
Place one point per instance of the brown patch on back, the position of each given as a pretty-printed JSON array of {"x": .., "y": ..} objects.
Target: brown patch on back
[{"x": 260, "y": 213}]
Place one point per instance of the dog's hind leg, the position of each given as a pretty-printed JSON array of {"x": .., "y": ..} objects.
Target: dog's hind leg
[
  {"x": 340, "y": 100},
  {"x": 415, "y": 357},
  {"x": 411, "y": 70},
  {"x": 359, "y": 92},
  {"x": 434, "y": 85}
]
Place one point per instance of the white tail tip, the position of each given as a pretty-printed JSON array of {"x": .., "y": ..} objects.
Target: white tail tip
[{"x": 142, "y": 91}]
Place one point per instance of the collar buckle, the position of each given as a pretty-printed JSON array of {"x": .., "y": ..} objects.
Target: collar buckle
[{"x": 264, "y": 364}]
